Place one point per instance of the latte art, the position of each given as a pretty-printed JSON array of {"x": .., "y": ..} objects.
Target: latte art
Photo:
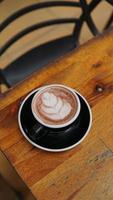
[{"x": 54, "y": 107}]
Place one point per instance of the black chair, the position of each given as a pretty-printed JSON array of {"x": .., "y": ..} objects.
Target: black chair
[{"x": 42, "y": 55}]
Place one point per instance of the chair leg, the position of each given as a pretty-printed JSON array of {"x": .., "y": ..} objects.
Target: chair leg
[
  {"x": 0, "y": 89},
  {"x": 13, "y": 180},
  {"x": 7, "y": 192},
  {"x": 2, "y": 81},
  {"x": 19, "y": 196},
  {"x": 1, "y": 77},
  {"x": 0, "y": 84}
]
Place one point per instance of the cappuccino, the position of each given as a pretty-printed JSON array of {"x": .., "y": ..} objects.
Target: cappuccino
[{"x": 55, "y": 106}]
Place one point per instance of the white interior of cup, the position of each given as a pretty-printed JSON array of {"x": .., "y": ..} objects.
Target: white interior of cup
[{"x": 58, "y": 125}]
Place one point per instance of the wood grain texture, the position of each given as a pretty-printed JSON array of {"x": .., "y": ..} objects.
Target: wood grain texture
[{"x": 85, "y": 172}]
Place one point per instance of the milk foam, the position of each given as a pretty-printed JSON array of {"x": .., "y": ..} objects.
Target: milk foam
[{"x": 54, "y": 107}]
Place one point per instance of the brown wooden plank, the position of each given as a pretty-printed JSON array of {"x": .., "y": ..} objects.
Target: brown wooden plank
[
  {"x": 92, "y": 164},
  {"x": 84, "y": 172},
  {"x": 82, "y": 179}
]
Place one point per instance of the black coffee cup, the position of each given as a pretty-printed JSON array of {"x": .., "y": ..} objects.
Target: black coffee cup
[{"x": 38, "y": 130}]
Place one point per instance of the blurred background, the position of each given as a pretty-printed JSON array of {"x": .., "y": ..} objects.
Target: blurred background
[
  {"x": 9, "y": 180},
  {"x": 100, "y": 16}
]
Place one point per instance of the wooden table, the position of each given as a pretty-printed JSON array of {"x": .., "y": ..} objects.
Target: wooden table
[{"x": 85, "y": 172}]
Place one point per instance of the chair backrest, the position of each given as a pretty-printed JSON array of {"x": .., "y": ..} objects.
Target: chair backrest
[
  {"x": 87, "y": 9},
  {"x": 28, "y": 9}
]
